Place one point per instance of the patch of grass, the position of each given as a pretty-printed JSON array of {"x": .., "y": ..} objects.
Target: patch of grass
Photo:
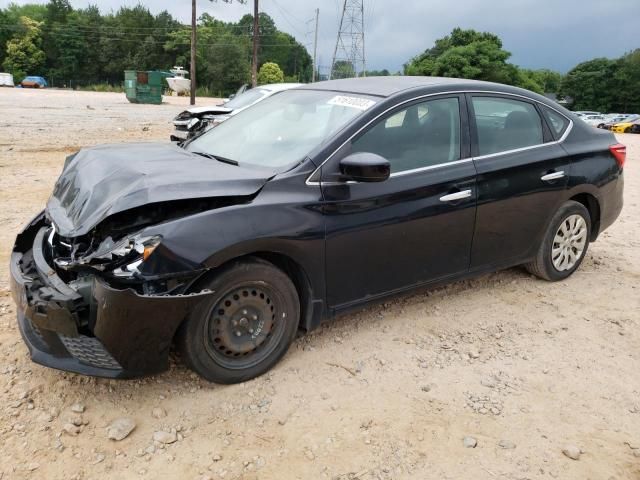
[
  {"x": 102, "y": 87},
  {"x": 205, "y": 91}
]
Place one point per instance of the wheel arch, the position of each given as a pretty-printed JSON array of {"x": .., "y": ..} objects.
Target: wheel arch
[
  {"x": 311, "y": 309},
  {"x": 592, "y": 204}
]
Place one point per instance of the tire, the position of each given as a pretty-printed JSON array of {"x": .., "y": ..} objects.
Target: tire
[
  {"x": 246, "y": 326},
  {"x": 627, "y": 130},
  {"x": 568, "y": 256}
]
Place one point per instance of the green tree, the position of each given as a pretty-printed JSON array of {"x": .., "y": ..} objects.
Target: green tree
[
  {"x": 270, "y": 73},
  {"x": 223, "y": 57},
  {"x": 90, "y": 21},
  {"x": 479, "y": 56},
  {"x": 24, "y": 55},
  {"x": 545, "y": 80},
  {"x": 11, "y": 25},
  {"x": 343, "y": 69},
  {"x": 278, "y": 47},
  {"x": 627, "y": 83},
  {"x": 591, "y": 85},
  {"x": 465, "y": 54},
  {"x": 378, "y": 73},
  {"x": 86, "y": 46}
]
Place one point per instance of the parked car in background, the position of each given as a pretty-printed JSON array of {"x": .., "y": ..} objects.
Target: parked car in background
[
  {"x": 611, "y": 120},
  {"x": 625, "y": 126},
  {"x": 6, "y": 80},
  {"x": 584, "y": 113},
  {"x": 310, "y": 203},
  {"x": 34, "y": 82},
  {"x": 593, "y": 120},
  {"x": 197, "y": 120}
]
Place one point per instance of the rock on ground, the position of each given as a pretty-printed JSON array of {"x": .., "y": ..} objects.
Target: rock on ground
[{"x": 120, "y": 428}]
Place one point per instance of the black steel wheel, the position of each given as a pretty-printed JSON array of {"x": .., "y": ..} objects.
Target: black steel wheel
[{"x": 246, "y": 327}]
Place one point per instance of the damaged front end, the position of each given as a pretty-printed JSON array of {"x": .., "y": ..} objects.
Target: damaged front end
[
  {"x": 196, "y": 121},
  {"x": 84, "y": 306},
  {"x": 99, "y": 286}
]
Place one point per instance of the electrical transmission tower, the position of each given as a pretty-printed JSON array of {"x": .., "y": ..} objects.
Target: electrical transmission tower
[{"x": 348, "y": 56}]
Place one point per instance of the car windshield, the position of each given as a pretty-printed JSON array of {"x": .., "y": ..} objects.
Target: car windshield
[
  {"x": 247, "y": 98},
  {"x": 282, "y": 129}
]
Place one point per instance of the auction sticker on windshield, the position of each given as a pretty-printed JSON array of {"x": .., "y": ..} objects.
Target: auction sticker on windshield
[{"x": 353, "y": 102}]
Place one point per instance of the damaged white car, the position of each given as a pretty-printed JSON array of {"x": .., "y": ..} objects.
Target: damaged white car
[{"x": 197, "y": 120}]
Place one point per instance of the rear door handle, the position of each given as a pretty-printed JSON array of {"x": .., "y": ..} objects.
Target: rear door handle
[
  {"x": 456, "y": 196},
  {"x": 549, "y": 177}
]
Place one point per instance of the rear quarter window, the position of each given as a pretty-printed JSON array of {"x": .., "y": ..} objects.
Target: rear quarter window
[{"x": 557, "y": 123}]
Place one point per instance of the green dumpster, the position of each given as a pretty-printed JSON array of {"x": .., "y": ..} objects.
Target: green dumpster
[{"x": 144, "y": 86}]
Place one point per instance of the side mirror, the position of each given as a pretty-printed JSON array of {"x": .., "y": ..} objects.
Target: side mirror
[{"x": 365, "y": 167}]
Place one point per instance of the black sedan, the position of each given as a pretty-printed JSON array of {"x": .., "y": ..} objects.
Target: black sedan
[{"x": 311, "y": 203}]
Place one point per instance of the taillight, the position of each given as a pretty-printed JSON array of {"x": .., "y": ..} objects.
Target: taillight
[{"x": 619, "y": 151}]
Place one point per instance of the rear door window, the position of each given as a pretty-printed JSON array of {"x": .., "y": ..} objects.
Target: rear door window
[{"x": 504, "y": 124}]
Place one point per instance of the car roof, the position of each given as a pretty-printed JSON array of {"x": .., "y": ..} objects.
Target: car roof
[
  {"x": 277, "y": 87},
  {"x": 388, "y": 86}
]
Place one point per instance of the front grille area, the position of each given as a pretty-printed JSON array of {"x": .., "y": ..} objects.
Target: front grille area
[{"x": 89, "y": 350}]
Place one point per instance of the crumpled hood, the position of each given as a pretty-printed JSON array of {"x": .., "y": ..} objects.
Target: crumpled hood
[{"x": 108, "y": 179}]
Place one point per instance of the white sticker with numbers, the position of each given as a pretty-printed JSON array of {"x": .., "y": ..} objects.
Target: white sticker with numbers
[{"x": 353, "y": 102}]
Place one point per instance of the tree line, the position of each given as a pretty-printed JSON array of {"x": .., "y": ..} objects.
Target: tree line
[
  {"x": 74, "y": 47},
  {"x": 606, "y": 85}
]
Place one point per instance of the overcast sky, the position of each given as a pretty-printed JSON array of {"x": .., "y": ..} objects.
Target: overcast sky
[{"x": 554, "y": 34}]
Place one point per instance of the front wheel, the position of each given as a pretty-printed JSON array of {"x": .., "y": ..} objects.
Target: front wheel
[
  {"x": 564, "y": 245},
  {"x": 247, "y": 325}
]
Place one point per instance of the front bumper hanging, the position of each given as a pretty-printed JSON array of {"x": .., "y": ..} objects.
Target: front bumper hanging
[{"x": 129, "y": 334}]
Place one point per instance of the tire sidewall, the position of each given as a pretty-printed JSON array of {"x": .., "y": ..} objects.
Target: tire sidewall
[
  {"x": 568, "y": 209},
  {"x": 192, "y": 341}
]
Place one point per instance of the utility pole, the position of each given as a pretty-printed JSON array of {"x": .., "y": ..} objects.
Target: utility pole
[
  {"x": 315, "y": 48},
  {"x": 192, "y": 69},
  {"x": 254, "y": 62}
]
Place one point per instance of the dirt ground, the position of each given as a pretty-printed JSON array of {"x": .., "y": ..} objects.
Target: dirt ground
[{"x": 525, "y": 367}]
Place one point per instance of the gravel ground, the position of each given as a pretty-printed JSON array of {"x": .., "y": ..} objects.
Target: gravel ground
[{"x": 503, "y": 376}]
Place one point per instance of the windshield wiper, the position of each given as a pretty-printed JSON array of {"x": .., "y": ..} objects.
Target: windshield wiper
[{"x": 216, "y": 157}]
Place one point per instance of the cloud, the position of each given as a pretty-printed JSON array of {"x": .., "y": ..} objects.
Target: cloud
[{"x": 539, "y": 33}]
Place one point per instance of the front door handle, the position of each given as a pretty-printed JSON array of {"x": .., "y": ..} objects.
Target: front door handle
[
  {"x": 549, "y": 177},
  {"x": 456, "y": 196}
]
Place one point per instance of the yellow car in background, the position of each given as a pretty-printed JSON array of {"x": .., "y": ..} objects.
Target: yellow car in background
[{"x": 626, "y": 126}]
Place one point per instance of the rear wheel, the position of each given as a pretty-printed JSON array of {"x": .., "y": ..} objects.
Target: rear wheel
[
  {"x": 247, "y": 325},
  {"x": 627, "y": 130},
  {"x": 565, "y": 243}
]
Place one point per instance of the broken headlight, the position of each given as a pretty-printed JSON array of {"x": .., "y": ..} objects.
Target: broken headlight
[
  {"x": 139, "y": 249},
  {"x": 122, "y": 258}
]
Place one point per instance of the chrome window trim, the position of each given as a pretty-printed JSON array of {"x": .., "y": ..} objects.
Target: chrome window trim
[
  {"x": 480, "y": 157},
  {"x": 532, "y": 147},
  {"x": 430, "y": 167}
]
